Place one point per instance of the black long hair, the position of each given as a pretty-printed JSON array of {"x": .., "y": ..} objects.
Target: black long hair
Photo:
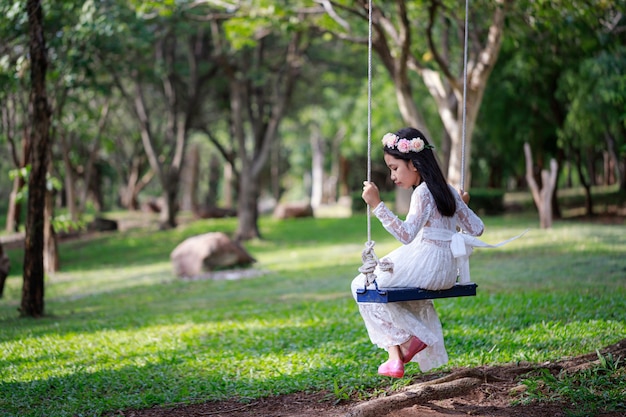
[{"x": 429, "y": 170}]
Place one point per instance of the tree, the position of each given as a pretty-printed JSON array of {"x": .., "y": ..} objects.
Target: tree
[
  {"x": 260, "y": 65},
  {"x": 165, "y": 91},
  {"x": 438, "y": 61},
  {"x": 33, "y": 289},
  {"x": 14, "y": 126},
  {"x": 596, "y": 93}
]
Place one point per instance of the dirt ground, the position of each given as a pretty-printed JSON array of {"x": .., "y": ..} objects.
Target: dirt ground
[{"x": 492, "y": 397}]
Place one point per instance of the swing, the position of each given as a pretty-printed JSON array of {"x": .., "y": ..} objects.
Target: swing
[{"x": 389, "y": 295}]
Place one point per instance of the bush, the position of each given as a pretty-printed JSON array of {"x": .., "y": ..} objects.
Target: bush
[
  {"x": 359, "y": 206},
  {"x": 487, "y": 201}
]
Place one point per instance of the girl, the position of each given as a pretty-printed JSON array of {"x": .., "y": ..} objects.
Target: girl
[{"x": 410, "y": 330}]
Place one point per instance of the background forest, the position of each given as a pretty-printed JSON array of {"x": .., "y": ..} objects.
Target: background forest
[{"x": 222, "y": 107}]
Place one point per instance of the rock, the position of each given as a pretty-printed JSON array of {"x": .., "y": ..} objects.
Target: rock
[
  {"x": 101, "y": 224},
  {"x": 213, "y": 212},
  {"x": 293, "y": 210},
  {"x": 208, "y": 252}
]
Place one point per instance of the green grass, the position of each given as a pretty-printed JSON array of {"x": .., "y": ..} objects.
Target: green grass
[
  {"x": 122, "y": 332},
  {"x": 590, "y": 392}
]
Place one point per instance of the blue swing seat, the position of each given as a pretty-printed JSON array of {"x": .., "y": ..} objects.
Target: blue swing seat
[{"x": 390, "y": 295}]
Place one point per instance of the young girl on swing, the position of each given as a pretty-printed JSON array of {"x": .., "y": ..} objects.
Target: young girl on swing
[{"x": 411, "y": 330}]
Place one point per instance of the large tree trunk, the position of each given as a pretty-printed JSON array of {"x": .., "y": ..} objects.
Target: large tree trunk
[{"x": 32, "y": 303}]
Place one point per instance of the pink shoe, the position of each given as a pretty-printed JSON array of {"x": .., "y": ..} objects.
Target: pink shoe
[
  {"x": 393, "y": 368},
  {"x": 415, "y": 347}
]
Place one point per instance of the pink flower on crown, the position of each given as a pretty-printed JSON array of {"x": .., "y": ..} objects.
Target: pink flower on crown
[
  {"x": 404, "y": 145},
  {"x": 389, "y": 140},
  {"x": 417, "y": 144}
]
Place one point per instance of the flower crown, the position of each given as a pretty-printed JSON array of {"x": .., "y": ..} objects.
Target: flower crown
[{"x": 393, "y": 141}]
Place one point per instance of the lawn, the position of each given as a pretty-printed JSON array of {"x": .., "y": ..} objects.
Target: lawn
[{"x": 122, "y": 331}]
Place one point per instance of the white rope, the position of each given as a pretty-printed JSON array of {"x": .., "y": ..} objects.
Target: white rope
[
  {"x": 462, "y": 185},
  {"x": 369, "y": 115},
  {"x": 369, "y": 258}
]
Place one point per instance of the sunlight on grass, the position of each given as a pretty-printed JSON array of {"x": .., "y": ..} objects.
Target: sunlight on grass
[{"x": 123, "y": 332}]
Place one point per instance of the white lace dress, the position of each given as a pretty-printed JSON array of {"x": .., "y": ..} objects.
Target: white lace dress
[{"x": 424, "y": 260}]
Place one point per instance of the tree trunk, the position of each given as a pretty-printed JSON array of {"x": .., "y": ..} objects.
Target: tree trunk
[
  {"x": 586, "y": 183},
  {"x": 317, "y": 169},
  {"x": 32, "y": 303},
  {"x": 15, "y": 206},
  {"x": 406, "y": 104},
  {"x": 170, "y": 199},
  {"x": 613, "y": 169},
  {"x": 70, "y": 178},
  {"x": 230, "y": 179},
  {"x": 51, "y": 253},
  {"x": 90, "y": 167},
  {"x": 14, "y": 214},
  {"x": 344, "y": 170},
  {"x": 214, "y": 182},
  {"x": 335, "y": 165},
  {"x": 5, "y": 268},
  {"x": 129, "y": 194},
  {"x": 541, "y": 196},
  {"x": 190, "y": 176},
  {"x": 247, "y": 210}
]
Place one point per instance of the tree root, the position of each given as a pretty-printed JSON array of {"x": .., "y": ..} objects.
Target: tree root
[
  {"x": 464, "y": 381},
  {"x": 437, "y": 389}
]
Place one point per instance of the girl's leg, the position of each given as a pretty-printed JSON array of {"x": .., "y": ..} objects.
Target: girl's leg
[
  {"x": 394, "y": 367},
  {"x": 410, "y": 348}
]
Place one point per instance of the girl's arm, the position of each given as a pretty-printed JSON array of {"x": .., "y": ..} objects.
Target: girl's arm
[
  {"x": 469, "y": 222},
  {"x": 419, "y": 211}
]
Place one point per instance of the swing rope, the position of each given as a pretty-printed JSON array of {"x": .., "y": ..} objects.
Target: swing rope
[
  {"x": 369, "y": 258},
  {"x": 464, "y": 95}
]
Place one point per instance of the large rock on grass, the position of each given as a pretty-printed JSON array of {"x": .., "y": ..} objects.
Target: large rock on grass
[{"x": 208, "y": 252}]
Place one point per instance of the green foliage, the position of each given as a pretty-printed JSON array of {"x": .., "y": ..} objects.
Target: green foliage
[
  {"x": 487, "y": 201},
  {"x": 359, "y": 206},
  {"x": 542, "y": 90},
  {"x": 122, "y": 332}
]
